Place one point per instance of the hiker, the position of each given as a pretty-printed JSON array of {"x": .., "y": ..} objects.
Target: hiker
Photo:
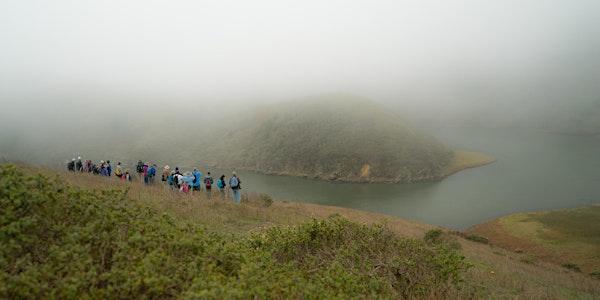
[
  {"x": 170, "y": 180},
  {"x": 221, "y": 185},
  {"x": 79, "y": 165},
  {"x": 126, "y": 176},
  {"x": 177, "y": 179},
  {"x": 108, "y": 167},
  {"x": 90, "y": 166},
  {"x": 188, "y": 179},
  {"x": 71, "y": 165},
  {"x": 149, "y": 173},
  {"x": 208, "y": 181},
  {"x": 104, "y": 170},
  {"x": 234, "y": 184},
  {"x": 165, "y": 174},
  {"x": 196, "y": 182},
  {"x": 184, "y": 188},
  {"x": 139, "y": 167},
  {"x": 119, "y": 170}
]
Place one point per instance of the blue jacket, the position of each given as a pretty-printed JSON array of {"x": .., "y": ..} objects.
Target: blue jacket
[
  {"x": 199, "y": 176},
  {"x": 188, "y": 179}
]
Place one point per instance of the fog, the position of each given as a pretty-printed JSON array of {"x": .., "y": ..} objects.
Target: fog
[{"x": 64, "y": 61}]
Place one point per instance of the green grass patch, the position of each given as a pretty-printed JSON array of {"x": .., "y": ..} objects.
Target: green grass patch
[{"x": 571, "y": 236}]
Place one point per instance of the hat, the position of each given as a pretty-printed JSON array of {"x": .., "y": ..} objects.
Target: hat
[
  {"x": 167, "y": 167},
  {"x": 188, "y": 174}
]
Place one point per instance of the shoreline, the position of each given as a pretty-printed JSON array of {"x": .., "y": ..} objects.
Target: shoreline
[{"x": 462, "y": 160}]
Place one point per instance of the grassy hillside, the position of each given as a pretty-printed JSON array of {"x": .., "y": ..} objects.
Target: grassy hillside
[
  {"x": 334, "y": 137},
  {"x": 569, "y": 237},
  {"x": 85, "y": 236}
]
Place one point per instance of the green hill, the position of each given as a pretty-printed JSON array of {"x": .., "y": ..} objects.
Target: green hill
[
  {"x": 81, "y": 236},
  {"x": 335, "y": 137}
]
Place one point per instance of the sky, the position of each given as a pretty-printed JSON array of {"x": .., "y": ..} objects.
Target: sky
[{"x": 432, "y": 52}]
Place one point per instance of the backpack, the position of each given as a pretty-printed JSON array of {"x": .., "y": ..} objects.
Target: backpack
[
  {"x": 207, "y": 182},
  {"x": 220, "y": 184},
  {"x": 195, "y": 178},
  {"x": 140, "y": 167},
  {"x": 176, "y": 180}
]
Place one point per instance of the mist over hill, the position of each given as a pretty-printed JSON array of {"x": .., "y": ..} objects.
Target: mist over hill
[{"x": 331, "y": 137}]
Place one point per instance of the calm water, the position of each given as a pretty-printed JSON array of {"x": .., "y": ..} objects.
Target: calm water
[{"x": 535, "y": 171}]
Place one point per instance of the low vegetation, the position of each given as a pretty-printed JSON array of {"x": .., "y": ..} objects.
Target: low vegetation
[
  {"x": 568, "y": 237},
  {"x": 334, "y": 137},
  {"x": 83, "y": 236},
  {"x": 68, "y": 243}
]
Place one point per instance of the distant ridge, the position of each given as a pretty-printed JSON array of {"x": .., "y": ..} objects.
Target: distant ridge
[{"x": 333, "y": 137}]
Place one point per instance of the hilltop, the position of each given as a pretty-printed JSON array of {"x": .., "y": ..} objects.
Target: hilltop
[
  {"x": 332, "y": 137},
  {"x": 97, "y": 237}
]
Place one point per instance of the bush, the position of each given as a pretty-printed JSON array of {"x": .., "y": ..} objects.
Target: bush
[
  {"x": 438, "y": 236},
  {"x": 478, "y": 238},
  {"x": 67, "y": 243},
  {"x": 572, "y": 266},
  {"x": 265, "y": 200}
]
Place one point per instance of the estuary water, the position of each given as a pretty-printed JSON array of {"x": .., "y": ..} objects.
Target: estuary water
[{"x": 534, "y": 171}]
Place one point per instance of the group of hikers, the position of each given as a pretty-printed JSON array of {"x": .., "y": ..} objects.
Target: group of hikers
[{"x": 184, "y": 182}]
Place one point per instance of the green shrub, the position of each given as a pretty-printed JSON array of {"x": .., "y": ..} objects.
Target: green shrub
[
  {"x": 67, "y": 243},
  {"x": 478, "y": 238},
  {"x": 265, "y": 200},
  {"x": 595, "y": 274},
  {"x": 572, "y": 266},
  {"x": 438, "y": 236},
  {"x": 529, "y": 259}
]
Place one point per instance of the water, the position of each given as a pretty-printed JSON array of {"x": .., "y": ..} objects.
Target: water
[{"x": 535, "y": 171}]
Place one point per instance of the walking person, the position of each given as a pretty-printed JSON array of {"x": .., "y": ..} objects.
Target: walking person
[
  {"x": 208, "y": 181},
  {"x": 119, "y": 170},
  {"x": 196, "y": 182},
  {"x": 139, "y": 168},
  {"x": 221, "y": 185},
  {"x": 234, "y": 184},
  {"x": 165, "y": 174}
]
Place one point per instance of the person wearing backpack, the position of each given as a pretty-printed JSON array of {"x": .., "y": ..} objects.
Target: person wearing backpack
[
  {"x": 139, "y": 168},
  {"x": 208, "y": 181},
  {"x": 165, "y": 174},
  {"x": 234, "y": 184},
  {"x": 119, "y": 170},
  {"x": 126, "y": 176},
  {"x": 196, "y": 182},
  {"x": 221, "y": 186},
  {"x": 79, "y": 165}
]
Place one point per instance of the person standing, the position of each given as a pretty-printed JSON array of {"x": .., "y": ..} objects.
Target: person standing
[
  {"x": 119, "y": 170},
  {"x": 221, "y": 185},
  {"x": 208, "y": 181},
  {"x": 165, "y": 174},
  {"x": 71, "y": 165},
  {"x": 108, "y": 167},
  {"x": 139, "y": 168},
  {"x": 234, "y": 184},
  {"x": 196, "y": 182},
  {"x": 79, "y": 165}
]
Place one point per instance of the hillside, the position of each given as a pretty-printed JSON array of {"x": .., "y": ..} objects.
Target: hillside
[
  {"x": 335, "y": 137},
  {"x": 85, "y": 236},
  {"x": 569, "y": 237}
]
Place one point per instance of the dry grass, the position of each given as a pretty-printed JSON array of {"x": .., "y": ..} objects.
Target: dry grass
[
  {"x": 497, "y": 273},
  {"x": 467, "y": 159}
]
